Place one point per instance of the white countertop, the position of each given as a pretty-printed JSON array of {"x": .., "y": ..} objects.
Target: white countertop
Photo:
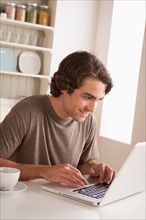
[{"x": 36, "y": 204}]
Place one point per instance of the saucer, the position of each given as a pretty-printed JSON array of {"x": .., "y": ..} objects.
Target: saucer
[{"x": 20, "y": 187}]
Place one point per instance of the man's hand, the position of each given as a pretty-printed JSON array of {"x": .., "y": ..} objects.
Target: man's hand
[
  {"x": 65, "y": 174},
  {"x": 105, "y": 173}
]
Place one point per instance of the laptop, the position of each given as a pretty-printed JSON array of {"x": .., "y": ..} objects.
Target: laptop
[{"x": 129, "y": 181}]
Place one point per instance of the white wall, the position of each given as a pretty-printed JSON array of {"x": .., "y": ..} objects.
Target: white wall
[
  {"x": 114, "y": 152},
  {"x": 139, "y": 130},
  {"x": 85, "y": 25},
  {"x": 75, "y": 28}
]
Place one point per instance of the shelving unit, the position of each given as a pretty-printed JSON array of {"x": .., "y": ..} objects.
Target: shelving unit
[
  {"x": 21, "y": 37},
  {"x": 12, "y": 29}
]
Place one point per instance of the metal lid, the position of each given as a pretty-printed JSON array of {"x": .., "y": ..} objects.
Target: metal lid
[
  {"x": 32, "y": 4},
  {"x": 21, "y": 6},
  {"x": 10, "y": 3},
  {"x": 44, "y": 6}
]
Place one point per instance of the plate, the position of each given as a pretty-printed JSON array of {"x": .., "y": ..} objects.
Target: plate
[
  {"x": 29, "y": 62},
  {"x": 20, "y": 187},
  {"x": 8, "y": 60}
]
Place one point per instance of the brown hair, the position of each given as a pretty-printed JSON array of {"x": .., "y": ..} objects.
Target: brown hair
[{"x": 74, "y": 69}]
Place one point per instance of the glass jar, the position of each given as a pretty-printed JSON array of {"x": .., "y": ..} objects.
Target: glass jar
[
  {"x": 43, "y": 15},
  {"x": 20, "y": 12},
  {"x": 3, "y": 14},
  {"x": 31, "y": 13},
  {"x": 10, "y": 9}
]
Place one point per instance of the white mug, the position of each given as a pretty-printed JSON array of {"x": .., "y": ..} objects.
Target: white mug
[{"x": 9, "y": 177}]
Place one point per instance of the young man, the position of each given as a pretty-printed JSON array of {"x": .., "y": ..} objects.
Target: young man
[{"x": 54, "y": 136}]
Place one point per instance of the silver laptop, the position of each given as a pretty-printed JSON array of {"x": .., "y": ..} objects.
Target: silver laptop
[{"x": 129, "y": 181}]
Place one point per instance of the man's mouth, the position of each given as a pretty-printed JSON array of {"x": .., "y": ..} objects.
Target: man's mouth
[{"x": 84, "y": 113}]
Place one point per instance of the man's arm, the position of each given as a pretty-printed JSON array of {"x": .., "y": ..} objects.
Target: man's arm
[
  {"x": 103, "y": 171},
  {"x": 64, "y": 173},
  {"x": 28, "y": 171}
]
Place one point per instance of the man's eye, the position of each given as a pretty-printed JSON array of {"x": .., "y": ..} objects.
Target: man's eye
[{"x": 86, "y": 98}]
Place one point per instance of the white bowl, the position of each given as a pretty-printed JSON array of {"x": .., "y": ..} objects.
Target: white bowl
[{"x": 8, "y": 178}]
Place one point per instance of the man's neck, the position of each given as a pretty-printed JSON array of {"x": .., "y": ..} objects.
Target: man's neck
[{"x": 58, "y": 107}]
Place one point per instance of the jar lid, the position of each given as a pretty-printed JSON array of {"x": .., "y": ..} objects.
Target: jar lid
[
  {"x": 21, "y": 6},
  {"x": 10, "y": 3},
  {"x": 44, "y": 6},
  {"x": 32, "y": 4}
]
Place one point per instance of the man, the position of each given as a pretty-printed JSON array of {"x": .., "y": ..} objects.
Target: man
[{"x": 54, "y": 136}]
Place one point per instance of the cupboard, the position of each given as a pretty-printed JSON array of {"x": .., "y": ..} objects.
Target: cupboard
[{"x": 22, "y": 37}]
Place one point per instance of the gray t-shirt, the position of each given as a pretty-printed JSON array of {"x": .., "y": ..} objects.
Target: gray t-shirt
[{"x": 32, "y": 133}]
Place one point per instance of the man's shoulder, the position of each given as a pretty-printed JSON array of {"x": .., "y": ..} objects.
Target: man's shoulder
[
  {"x": 30, "y": 103},
  {"x": 34, "y": 98},
  {"x": 91, "y": 119}
]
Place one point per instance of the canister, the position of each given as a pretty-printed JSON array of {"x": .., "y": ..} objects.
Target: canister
[
  {"x": 31, "y": 13},
  {"x": 20, "y": 12},
  {"x": 43, "y": 15},
  {"x": 10, "y": 9}
]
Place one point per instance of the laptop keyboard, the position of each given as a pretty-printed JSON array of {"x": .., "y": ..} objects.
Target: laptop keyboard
[{"x": 95, "y": 191}]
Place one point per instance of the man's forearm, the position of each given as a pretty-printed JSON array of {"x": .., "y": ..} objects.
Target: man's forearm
[
  {"x": 28, "y": 171},
  {"x": 87, "y": 166},
  {"x": 63, "y": 173}
]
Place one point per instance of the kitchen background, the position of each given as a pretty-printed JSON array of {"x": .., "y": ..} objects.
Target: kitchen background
[{"x": 31, "y": 52}]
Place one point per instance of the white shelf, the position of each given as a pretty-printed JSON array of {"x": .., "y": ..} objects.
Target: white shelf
[
  {"x": 24, "y": 46},
  {"x": 27, "y": 75},
  {"x": 24, "y": 36},
  {"x": 26, "y": 24}
]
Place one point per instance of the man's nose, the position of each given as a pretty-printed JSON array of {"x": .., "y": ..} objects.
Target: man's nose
[{"x": 92, "y": 106}]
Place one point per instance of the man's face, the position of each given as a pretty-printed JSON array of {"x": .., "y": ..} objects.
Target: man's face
[{"x": 83, "y": 100}]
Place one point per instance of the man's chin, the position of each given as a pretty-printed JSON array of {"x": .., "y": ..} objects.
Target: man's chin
[{"x": 80, "y": 120}]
